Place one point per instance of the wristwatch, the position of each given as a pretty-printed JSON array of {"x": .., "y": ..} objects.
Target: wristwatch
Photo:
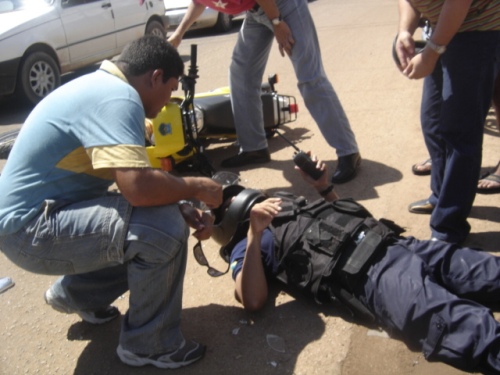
[
  {"x": 435, "y": 47},
  {"x": 276, "y": 21}
]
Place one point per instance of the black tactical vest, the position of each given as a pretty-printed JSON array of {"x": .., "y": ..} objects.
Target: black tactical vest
[{"x": 324, "y": 248}]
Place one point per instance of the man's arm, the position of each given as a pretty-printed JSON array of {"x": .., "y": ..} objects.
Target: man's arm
[
  {"x": 152, "y": 187},
  {"x": 193, "y": 12},
  {"x": 450, "y": 19},
  {"x": 251, "y": 283},
  {"x": 408, "y": 23}
]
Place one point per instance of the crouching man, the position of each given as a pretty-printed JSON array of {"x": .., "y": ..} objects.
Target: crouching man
[{"x": 57, "y": 216}]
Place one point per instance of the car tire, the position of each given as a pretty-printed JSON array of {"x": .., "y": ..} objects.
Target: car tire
[
  {"x": 156, "y": 28},
  {"x": 224, "y": 22},
  {"x": 7, "y": 140},
  {"x": 38, "y": 76}
]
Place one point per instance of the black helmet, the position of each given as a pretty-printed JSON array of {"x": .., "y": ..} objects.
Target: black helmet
[{"x": 230, "y": 224}]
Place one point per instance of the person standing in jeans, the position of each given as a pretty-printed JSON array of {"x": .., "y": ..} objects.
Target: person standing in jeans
[{"x": 291, "y": 24}]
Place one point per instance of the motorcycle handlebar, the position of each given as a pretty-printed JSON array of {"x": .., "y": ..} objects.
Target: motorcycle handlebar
[{"x": 193, "y": 69}]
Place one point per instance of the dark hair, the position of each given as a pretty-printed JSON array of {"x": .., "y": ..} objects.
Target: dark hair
[{"x": 149, "y": 53}]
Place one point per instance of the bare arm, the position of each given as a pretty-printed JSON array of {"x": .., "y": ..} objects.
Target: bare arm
[
  {"x": 408, "y": 23},
  {"x": 451, "y": 17},
  {"x": 193, "y": 12},
  {"x": 152, "y": 187},
  {"x": 251, "y": 284}
]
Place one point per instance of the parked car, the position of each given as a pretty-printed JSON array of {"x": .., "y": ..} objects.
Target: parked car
[
  {"x": 42, "y": 39},
  {"x": 210, "y": 18}
]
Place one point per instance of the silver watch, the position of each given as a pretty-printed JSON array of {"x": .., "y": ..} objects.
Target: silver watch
[
  {"x": 435, "y": 47},
  {"x": 276, "y": 21}
]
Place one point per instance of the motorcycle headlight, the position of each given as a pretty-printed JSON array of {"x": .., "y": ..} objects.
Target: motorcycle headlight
[{"x": 198, "y": 113}]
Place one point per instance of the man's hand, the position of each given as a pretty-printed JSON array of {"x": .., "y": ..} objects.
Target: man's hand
[
  {"x": 421, "y": 65},
  {"x": 405, "y": 49},
  {"x": 263, "y": 213},
  {"x": 322, "y": 182},
  {"x": 200, "y": 221},
  {"x": 175, "y": 39},
  {"x": 209, "y": 192},
  {"x": 284, "y": 37}
]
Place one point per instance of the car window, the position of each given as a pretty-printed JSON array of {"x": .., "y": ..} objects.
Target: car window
[
  {"x": 13, "y": 5},
  {"x": 73, "y": 3}
]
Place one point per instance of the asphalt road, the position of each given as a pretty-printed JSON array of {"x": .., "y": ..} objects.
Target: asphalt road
[{"x": 383, "y": 108}]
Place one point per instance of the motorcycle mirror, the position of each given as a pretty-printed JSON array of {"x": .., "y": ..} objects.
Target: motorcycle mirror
[{"x": 226, "y": 178}]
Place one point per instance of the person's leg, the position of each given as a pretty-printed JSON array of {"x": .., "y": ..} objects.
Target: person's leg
[
  {"x": 468, "y": 77},
  {"x": 156, "y": 252},
  {"x": 319, "y": 96},
  {"x": 430, "y": 109},
  {"x": 408, "y": 301},
  {"x": 491, "y": 182},
  {"x": 245, "y": 78},
  {"x": 468, "y": 273},
  {"x": 103, "y": 246}
]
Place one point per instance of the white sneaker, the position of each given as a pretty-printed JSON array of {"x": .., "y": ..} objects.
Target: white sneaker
[
  {"x": 189, "y": 352},
  {"x": 100, "y": 316}
]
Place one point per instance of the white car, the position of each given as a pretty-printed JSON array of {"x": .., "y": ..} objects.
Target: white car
[
  {"x": 42, "y": 39},
  {"x": 210, "y": 18}
]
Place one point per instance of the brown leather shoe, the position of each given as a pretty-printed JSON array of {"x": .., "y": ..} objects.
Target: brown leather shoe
[
  {"x": 247, "y": 157},
  {"x": 346, "y": 168},
  {"x": 421, "y": 207}
]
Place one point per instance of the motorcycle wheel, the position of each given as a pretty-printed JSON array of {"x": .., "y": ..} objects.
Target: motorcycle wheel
[{"x": 7, "y": 140}]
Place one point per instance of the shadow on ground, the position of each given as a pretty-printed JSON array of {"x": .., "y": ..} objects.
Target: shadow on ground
[{"x": 233, "y": 338}]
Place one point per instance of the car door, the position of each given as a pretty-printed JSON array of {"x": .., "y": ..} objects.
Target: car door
[
  {"x": 130, "y": 19},
  {"x": 90, "y": 30}
]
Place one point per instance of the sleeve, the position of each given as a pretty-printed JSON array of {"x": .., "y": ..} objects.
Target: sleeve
[
  {"x": 119, "y": 156},
  {"x": 267, "y": 250}
]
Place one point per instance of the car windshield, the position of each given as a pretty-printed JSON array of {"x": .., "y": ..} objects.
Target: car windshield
[{"x": 13, "y": 5}]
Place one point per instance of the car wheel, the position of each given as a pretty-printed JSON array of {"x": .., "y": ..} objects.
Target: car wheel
[
  {"x": 156, "y": 28},
  {"x": 224, "y": 22},
  {"x": 7, "y": 140},
  {"x": 38, "y": 77}
]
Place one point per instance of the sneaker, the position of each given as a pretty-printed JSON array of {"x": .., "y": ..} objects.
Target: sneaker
[
  {"x": 189, "y": 352},
  {"x": 100, "y": 316},
  {"x": 247, "y": 157}
]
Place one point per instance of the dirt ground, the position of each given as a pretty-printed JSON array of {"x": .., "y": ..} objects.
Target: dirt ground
[{"x": 383, "y": 108}]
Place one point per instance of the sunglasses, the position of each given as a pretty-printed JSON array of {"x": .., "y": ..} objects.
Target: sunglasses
[{"x": 202, "y": 261}]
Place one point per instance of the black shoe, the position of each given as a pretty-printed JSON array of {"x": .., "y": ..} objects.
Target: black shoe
[
  {"x": 247, "y": 157},
  {"x": 346, "y": 168},
  {"x": 421, "y": 207}
]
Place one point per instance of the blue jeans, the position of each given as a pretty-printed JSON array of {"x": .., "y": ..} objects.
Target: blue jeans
[
  {"x": 104, "y": 247},
  {"x": 247, "y": 68},
  {"x": 427, "y": 292},
  {"x": 455, "y": 102}
]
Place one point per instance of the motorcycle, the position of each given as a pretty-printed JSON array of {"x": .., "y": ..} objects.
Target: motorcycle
[
  {"x": 176, "y": 138},
  {"x": 178, "y": 135}
]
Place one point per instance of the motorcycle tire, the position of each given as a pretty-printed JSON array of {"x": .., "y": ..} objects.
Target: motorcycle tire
[{"x": 7, "y": 140}]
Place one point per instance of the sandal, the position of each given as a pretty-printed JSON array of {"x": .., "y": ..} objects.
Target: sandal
[
  {"x": 490, "y": 190},
  {"x": 422, "y": 169}
]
